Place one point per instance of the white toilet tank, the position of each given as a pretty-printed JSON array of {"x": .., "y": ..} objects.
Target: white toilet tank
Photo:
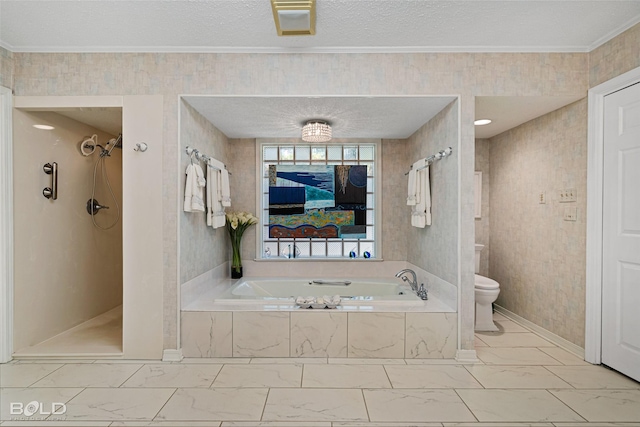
[{"x": 479, "y": 248}]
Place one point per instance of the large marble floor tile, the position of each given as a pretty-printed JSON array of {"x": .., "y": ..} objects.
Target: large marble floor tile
[
  {"x": 89, "y": 375},
  {"x": 513, "y": 339},
  {"x": 509, "y": 425},
  {"x": 603, "y": 405},
  {"x": 360, "y": 361},
  {"x": 515, "y": 356},
  {"x": 431, "y": 376},
  {"x": 516, "y": 406},
  {"x": 261, "y": 334},
  {"x": 216, "y": 404},
  {"x": 492, "y": 376},
  {"x": 315, "y": 405},
  {"x": 46, "y": 396},
  {"x": 117, "y": 404},
  {"x": 165, "y": 424},
  {"x": 563, "y": 356},
  {"x": 376, "y": 335},
  {"x": 51, "y": 423},
  {"x": 288, "y": 360},
  {"x": 276, "y": 424},
  {"x": 509, "y": 326},
  {"x": 174, "y": 375},
  {"x": 593, "y": 377},
  {"x": 283, "y": 375},
  {"x": 23, "y": 375},
  {"x": 215, "y": 360},
  {"x": 356, "y": 424},
  {"x": 318, "y": 334},
  {"x": 345, "y": 376},
  {"x": 416, "y": 406}
]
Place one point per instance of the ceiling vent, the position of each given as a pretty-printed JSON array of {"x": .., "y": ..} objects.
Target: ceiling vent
[{"x": 294, "y": 17}]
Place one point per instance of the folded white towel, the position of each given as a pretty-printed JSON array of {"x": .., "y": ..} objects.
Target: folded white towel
[
  {"x": 421, "y": 212},
  {"x": 226, "y": 189},
  {"x": 194, "y": 185},
  {"x": 413, "y": 189},
  {"x": 215, "y": 210}
]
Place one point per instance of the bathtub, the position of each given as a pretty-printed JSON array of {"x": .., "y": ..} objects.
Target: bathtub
[{"x": 258, "y": 317}]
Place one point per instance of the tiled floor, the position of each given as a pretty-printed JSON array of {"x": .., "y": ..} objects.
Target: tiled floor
[{"x": 521, "y": 380}]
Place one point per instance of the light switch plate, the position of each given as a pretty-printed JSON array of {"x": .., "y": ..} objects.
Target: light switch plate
[
  {"x": 570, "y": 214},
  {"x": 568, "y": 195},
  {"x": 542, "y": 197}
]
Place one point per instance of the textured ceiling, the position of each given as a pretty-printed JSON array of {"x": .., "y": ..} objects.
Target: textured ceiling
[
  {"x": 342, "y": 25},
  {"x": 350, "y": 117}
]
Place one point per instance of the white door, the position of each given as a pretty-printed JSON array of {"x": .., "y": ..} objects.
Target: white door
[{"x": 621, "y": 232}]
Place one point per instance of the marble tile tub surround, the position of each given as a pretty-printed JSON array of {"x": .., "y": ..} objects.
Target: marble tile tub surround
[{"x": 321, "y": 333}]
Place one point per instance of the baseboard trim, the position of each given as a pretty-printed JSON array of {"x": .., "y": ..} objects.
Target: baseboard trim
[
  {"x": 172, "y": 355},
  {"x": 548, "y": 335},
  {"x": 467, "y": 356}
]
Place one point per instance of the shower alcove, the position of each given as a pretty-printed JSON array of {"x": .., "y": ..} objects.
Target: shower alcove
[{"x": 87, "y": 286}]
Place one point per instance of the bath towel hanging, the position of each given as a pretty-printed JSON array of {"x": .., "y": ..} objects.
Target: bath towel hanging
[
  {"x": 413, "y": 192},
  {"x": 215, "y": 210},
  {"x": 195, "y": 183},
  {"x": 421, "y": 212}
]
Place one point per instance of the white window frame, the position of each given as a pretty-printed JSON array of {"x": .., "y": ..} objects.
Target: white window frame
[{"x": 377, "y": 198}]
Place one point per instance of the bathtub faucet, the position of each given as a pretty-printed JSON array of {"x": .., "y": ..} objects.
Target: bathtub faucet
[{"x": 414, "y": 283}]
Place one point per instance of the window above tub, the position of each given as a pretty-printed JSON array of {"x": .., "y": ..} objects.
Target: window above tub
[{"x": 318, "y": 201}]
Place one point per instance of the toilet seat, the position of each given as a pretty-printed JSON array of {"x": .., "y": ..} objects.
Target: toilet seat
[{"x": 485, "y": 283}]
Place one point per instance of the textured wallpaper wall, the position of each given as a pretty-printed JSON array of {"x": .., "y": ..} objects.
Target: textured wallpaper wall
[
  {"x": 617, "y": 56},
  {"x": 6, "y": 68},
  {"x": 202, "y": 248},
  {"x": 536, "y": 256},
  {"x": 467, "y": 74},
  {"x": 435, "y": 247},
  {"x": 483, "y": 235}
]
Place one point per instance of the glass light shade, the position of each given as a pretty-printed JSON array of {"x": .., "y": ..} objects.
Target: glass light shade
[{"x": 316, "y": 131}]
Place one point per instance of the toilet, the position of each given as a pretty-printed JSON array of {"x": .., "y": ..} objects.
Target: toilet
[{"x": 487, "y": 291}]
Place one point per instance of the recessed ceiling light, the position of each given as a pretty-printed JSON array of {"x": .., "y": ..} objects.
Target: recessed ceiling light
[
  {"x": 43, "y": 127},
  {"x": 482, "y": 122}
]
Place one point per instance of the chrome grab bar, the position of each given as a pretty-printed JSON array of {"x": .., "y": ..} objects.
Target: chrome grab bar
[
  {"x": 325, "y": 282},
  {"x": 51, "y": 192}
]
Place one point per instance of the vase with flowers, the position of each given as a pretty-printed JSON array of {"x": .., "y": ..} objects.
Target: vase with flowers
[{"x": 237, "y": 223}]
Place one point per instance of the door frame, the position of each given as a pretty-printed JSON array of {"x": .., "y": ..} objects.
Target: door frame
[
  {"x": 595, "y": 181},
  {"x": 6, "y": 225}
]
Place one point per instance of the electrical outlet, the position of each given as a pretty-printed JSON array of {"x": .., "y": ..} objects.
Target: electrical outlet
[
  {"x": 568, "y": 195},
  {"x": 570, "y": 214},
  {"x": 542, "y": 198}
]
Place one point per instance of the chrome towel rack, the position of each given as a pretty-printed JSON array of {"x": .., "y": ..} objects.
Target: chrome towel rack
[
  {"x": 432, "y": 158},
  {"x": 193, "y": 152}
]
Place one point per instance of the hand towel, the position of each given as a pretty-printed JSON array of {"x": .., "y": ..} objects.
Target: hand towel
[
  {"x": 195, "y": 182},
  {"x": 215, "y": 212},
  {"x": 226, "y": 190},
  {"x": 413, "y": 192},
  {"x": 421, "y": 212},
  {"x": 224, "y": 193}
]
